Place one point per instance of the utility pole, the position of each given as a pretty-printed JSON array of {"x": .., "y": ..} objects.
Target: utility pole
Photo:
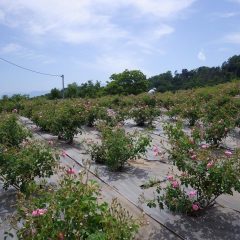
[{"x": 62, "y": 85}]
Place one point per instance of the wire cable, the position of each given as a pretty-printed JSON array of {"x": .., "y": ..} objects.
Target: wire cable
[{"x": 28, "y": 69}]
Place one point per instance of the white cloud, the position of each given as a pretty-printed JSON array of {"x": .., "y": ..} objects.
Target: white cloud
[
  {"x": 163, "y": 31},
  {"x": 75, "y": 21},
  {"x": 2, "y": 15},
  {"x": 233, "y": 38},
  {"x": 11, "y": 48},
  {"x": 201, "y": 56},
  {"x": 237, "y": 1},
  {"x": 112, "y": 62},
  {"x": 23, "y": 52},
  {"x": 227, "y": 14},
  {"x": 161, "y": 8}
]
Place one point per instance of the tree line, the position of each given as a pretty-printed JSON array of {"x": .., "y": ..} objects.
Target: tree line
[{"x": 135, "y": 82}]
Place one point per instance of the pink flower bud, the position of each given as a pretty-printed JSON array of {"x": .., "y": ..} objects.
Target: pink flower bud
[
  {"x": 64, "y": 154},
  {"x": 39, "y": 212},
  {"x": 170, "y": 178},
  {"x": 195, "y": 207},
  {"x": 228, "y": 153},
  {"x": 210, "y": 164},
  {"x": 204, "y": 146},
  {"x": 155, "y": 149},
  {"x": 194, "y": 157},
  {"x": 71, "y": 171}
]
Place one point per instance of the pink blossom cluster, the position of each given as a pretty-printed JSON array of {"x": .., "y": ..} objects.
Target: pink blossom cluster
[
  {"x": 156, "y": 151},
  {"x": 14, "y": 110},
  {"x": 175, "y": 183},
  {"x": 210, "y": 165},
  {"x": 71, "y": 171},
  {"x": 38, "y": 212},
  {"x": 192, "y": 193}
]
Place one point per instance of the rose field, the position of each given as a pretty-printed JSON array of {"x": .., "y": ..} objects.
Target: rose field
[{"x": 160, "y": 166}]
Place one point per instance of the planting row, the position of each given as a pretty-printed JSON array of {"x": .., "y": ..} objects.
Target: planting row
[{"x": 71, "y": 209}]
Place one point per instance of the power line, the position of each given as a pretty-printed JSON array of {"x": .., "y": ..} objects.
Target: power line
[{"x": 28, "y": 69}]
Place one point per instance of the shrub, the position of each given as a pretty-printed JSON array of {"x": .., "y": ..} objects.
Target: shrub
[
  {"x": 72, "y": 211},
  {"x": 190, "y": 110},
  {"x": 118, "y": 147},
  {"x": 11, "y": 132},
  {"x": 219, "y": 118},
  {"x": 144, "y": 115},
  {"x": 67, "y": 121},
  {"x": 206, "y": 173},
  {"x": 19, "y": 167}
]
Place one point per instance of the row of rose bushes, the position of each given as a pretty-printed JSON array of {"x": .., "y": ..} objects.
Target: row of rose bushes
[
  {"x": 71, "y": 209},
  {"x": 214, "y": 110},
  {"x": 66, "y": 118}
]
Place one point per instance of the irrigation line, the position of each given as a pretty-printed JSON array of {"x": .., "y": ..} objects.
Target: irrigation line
[{"x": 121, "y": 194}]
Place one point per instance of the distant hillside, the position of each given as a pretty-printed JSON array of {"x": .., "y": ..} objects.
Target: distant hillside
[
  {"x": 135, "y": 82},
  {"x": 199, "y": 77}
]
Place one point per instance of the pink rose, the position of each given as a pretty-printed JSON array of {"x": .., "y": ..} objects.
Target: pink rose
[
  {"x": 192, "y": 193},
  {"x": 170, "y": 178},
  {"x": 175, "y": 184},
  {"x": 64, "y": 154},
  {"x": 71, "y": 171},
  {"x": 156, "y": 154},
  {"x": 210, "y": 164},
  {"x": 155, "y": 149},
  {"x": 228, "y": 153},
  {"x": 195, "y": 207},
  {"x": 39, "y": 212},
  {"x": 194, "y": 157},
  {"x": 14, "y": 110},
  {"x": 204, "y": 146}
]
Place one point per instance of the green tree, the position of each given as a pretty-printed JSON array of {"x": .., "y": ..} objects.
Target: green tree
[
  {"x": 72, "y": 90},
  {"x": 127, "y": 82},
  {"x": 89, "y": 89},
  {"x": 55, "y": 94},
  {"x": 162, "y": 82}
]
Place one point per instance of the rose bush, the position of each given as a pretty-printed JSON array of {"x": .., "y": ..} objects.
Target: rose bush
[
  {"x": 206, "y": 173},
  {"x": 11, "y": 132},
  {"x": 73, "y": 211},
  {"x": 144, "y": 115},
  {"x": 20, "y": 166},
  {"x": 118, "y": 147}
]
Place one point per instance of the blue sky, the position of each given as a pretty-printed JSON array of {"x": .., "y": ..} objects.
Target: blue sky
[{"x": 92, "y": 39}]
